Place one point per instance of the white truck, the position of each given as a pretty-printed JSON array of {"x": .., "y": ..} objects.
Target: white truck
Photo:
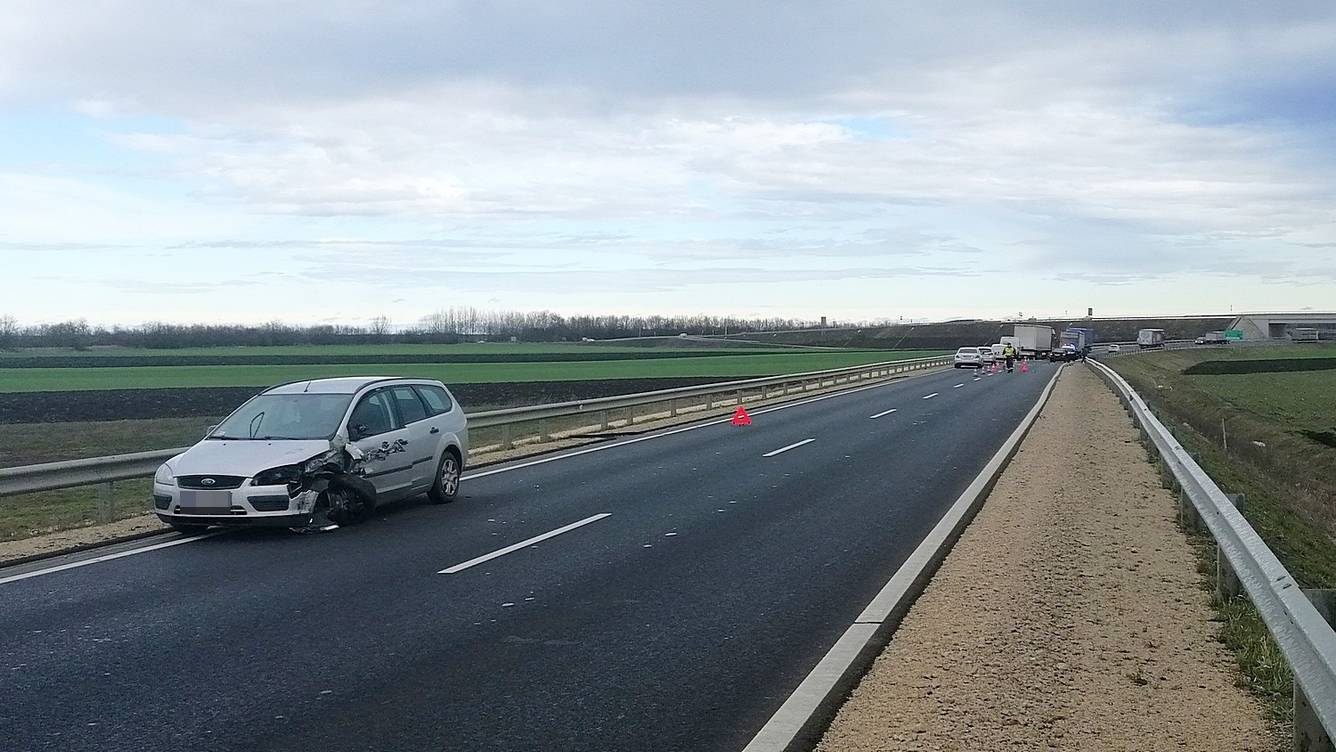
[
  {"x": 1033, "y": 340},
  {"x": 1149, "y": 339}
]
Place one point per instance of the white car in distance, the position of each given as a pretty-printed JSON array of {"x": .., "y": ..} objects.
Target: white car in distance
[
  {"x": 967, "y": 357},
  {"x": 258, "y": 466}
]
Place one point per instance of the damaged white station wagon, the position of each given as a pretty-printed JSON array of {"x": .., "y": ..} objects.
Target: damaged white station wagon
[{"x": 315, "y": 454}]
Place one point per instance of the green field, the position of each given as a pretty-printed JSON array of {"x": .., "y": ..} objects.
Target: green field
[
  {"x": 369, "y": 350},
  {"x": 1301, "y": 399},
  {"x": 732, "y": 366}
]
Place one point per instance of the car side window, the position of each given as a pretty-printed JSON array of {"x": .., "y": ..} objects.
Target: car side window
[
  {"x": 373, "y": 414},
  {"x": 437, "y": 399},
  {"x": 410, "y": 407}
]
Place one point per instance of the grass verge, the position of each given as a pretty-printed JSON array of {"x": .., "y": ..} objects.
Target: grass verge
[{"x": 724, "y": 367}]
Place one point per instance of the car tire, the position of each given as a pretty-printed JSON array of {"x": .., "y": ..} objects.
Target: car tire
[{"x": 445, "y": 488}]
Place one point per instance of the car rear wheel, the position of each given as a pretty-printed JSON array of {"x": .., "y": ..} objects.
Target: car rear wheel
[{"x": 446, "y": 487}]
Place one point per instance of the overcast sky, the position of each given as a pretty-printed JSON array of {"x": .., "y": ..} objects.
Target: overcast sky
[{"x": 334, "y": 160}]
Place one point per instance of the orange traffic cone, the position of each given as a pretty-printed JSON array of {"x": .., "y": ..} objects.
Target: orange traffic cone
[{"x": 740, "y": 417}]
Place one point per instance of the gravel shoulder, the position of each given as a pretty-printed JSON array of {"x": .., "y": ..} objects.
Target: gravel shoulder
[{"x": 1069, "y": 615}]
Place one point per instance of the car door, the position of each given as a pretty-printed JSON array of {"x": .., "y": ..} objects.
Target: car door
[
  {"x": 375, "y": 429},
  {"x": 424, "y": 438}
]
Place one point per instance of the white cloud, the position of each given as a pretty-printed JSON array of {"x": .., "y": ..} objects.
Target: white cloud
[{"x": 1095, "y": 143}]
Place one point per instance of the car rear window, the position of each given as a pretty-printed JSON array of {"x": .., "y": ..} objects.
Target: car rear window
[
  {"x": 967, "y": 351},
  {"x": 437, "y": 399}
]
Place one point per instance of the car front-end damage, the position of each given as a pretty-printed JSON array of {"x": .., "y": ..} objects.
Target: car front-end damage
[{"x": 323, "y": 492}]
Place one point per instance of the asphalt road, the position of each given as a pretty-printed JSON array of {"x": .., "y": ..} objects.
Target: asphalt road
[{"x": 719, "y": 573}]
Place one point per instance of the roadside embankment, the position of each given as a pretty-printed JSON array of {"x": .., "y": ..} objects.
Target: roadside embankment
[{"x": 1069, "y": 615}]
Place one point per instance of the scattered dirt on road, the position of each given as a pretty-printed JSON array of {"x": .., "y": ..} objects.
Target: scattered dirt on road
[{"x": 1069, "y": 615}]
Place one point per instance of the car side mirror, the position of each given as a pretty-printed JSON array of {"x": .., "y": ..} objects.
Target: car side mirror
[
  {"x": 357, "y": 432},
  {"x": 209, "y": 431}
]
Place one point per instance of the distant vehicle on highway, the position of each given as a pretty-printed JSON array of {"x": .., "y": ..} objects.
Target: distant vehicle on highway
[
  {"x": 1080, "y": 337},
  {"x": 1064, "y": 353},
  {"x": 1033, "y": 340},
  {"x": 1115, "y": 348},
  {"x": 967, "y": 357},
  {"x": 1150, "y": 339},
  {"x": 1212, "y": 338},
  {"x": 305, "y": 453},
  {"x": 986, "y": 356}
]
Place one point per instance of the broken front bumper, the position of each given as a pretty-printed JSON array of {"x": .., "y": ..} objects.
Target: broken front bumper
[{"x": 246, "y": 505}]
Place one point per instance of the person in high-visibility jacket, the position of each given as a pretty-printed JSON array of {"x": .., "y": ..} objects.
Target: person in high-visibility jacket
[{"x": 1009, "y": 352}]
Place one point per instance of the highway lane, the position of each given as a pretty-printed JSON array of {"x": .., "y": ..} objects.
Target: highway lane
[{"x": 680, "y": 620}]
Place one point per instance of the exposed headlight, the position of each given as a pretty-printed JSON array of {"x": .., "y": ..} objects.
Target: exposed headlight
[
  {"x": 164, "y": 476},
  {"x": 278, "y": 476},
  {"x": 313, "y": 464}
]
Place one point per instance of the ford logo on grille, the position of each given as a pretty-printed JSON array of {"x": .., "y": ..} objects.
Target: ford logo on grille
[{"x": 207, "y": 482}]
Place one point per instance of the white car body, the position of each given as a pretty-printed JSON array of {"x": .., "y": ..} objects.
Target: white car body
[
  {"x": 986, "y": 356},
  {"x": 1115, "y": 348},
  {"x": 967, "y": 357},
  {"x": 217, "y": 481}
]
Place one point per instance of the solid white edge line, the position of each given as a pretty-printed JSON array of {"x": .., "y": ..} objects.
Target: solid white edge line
[
  {"x": 523, "y": 544},
  {"x": 794, "y": 445},
  {"x": 882, "y": 413},
  {"x": 930, "y": 396},
  {"x": 543, "y": 460},
  {"x": 814, "y": 690},
  {"x": 106, "y": 557}
]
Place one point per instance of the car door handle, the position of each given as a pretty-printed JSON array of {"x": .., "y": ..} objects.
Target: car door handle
[{"x": 434, "y": 429}]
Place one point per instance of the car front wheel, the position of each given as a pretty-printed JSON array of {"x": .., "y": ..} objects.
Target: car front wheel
[{"x": 446, "y": 487}]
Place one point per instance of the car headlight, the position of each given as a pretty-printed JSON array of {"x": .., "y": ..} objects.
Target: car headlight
[
  {"x": 278, "y": 476},
  {"x": 314, "y": 464},
  {"x": 164, "y": 476}
]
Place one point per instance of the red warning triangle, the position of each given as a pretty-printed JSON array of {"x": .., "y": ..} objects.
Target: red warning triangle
[{"x": 740, "y": 417}]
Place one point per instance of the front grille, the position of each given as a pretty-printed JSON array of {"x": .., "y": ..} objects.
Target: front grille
[
  {"x": 269, "y": 503},
  {"x": 220, "y": 482}
]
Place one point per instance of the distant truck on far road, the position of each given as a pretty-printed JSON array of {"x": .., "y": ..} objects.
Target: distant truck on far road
[
  {"x": 1033, "y": 340},
  {"x": 1150, "y": 339},
  {"x": 1212, "y": 338}
]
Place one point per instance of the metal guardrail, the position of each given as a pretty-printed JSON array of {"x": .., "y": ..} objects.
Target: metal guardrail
[
  {"x": 104, "y": 470},
  {"x": 1304, "y": 636}
]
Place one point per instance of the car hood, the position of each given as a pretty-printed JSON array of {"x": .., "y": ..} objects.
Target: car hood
[{"x": 218, "y": 457}]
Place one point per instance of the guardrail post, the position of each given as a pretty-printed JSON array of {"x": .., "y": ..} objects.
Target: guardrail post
[
  {"x": 672, "y": 408},
  {"x": 543, "y": 434},
  {"x": 603, "y": 419},
  {"x": 738, "y": 397},
  {"x": 1227, "y": 585},
  {"x": 507, "y": 441},
  {"x": 106, "y": 501},
  {"x": 1309, "y": 736}
]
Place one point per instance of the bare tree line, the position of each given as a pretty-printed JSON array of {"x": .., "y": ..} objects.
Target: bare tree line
[{"x": 447, "y": 326}]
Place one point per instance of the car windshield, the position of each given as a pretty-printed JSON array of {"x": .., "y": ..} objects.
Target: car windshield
[{"x": 285, "y": 416}]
